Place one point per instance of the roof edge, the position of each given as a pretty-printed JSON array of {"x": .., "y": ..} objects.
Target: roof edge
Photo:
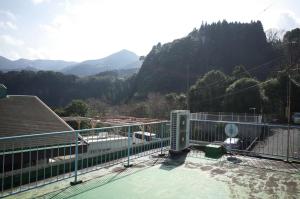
[{"x": 45, "y": 105}]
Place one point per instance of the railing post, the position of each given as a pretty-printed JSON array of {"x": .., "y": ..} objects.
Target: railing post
[
  {"x": 128, "y": 149},
  {"x": 288, "y": 144},
  {"x": 162, "y": 128},
  {"x": 76, "y": 161}
]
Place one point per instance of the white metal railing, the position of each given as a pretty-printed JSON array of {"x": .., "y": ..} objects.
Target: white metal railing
[
  {"x": 260, "y": 139},
  {"x": 220, "y": 116}
]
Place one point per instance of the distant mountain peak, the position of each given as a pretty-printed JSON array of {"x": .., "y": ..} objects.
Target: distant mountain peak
[{"x": 123, "y": 59}]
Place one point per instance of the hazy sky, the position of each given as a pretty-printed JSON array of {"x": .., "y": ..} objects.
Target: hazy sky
[{"x": 77, "y": 30}]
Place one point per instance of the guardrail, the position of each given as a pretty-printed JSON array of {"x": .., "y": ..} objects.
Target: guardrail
[
  {"x": 258, "y": 139},
  {"x": 27, "y": 162}
]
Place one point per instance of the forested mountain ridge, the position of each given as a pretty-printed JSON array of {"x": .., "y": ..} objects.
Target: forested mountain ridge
[
  {"x": 58, "y": 89},
  {"x": 216, "y": 46}
]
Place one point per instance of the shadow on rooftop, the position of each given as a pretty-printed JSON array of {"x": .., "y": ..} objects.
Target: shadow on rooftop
[
  {"x": 116, "y": 173},
  {"x": 171, "y": 162}
]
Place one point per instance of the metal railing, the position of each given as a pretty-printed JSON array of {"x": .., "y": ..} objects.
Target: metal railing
[
  {"x": 258, "y": 139},
  {"x": 28, "y": 161},
  {"x": 220, "y": 116}
]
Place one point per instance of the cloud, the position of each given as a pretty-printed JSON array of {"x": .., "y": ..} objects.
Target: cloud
[
  {"x": 7, "y": 20},
  {"x": 9, "y": 40},
  {"x": 7, "y": 14},
  {"x": 288, "y": 20},
  {"x": 14, "y": 48},
  {"x": 33, "y": 53},
  {"x": 39, "y": 1},
  {"x": 10, "y": 47},
  {"x": 8, "y": 25}
]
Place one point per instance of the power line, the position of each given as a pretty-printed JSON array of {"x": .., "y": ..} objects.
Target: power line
[
  {"x": 252, "y": 69},
  {"x": 236, "y": 92},
  {"x": 294, "y": 81},
  {"x": 266, "y": 9}
]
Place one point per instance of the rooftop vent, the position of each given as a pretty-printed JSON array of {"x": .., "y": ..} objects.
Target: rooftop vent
[{"x": 3, "y": 91}]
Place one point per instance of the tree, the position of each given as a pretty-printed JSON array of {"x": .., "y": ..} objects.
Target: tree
[
  {"x": 207, "y": 93},
  {"x": 275, "y": 103},
  {"x": 96, "y": 107},
  {"x": 60, "y": 112},
  {"x": 175, "y": 101},
  {"x": 291, "y": 41},
  {"x": 156, "y": 105},
  {"x": 239, "y": 72},
  {"x": 217, "y": 46},
  {"x": 76, "y": 108},
  {"x": 274, "y": 37},
  {"x": 242, "y": 95}
]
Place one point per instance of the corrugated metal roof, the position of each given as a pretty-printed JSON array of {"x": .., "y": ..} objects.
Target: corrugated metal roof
[{"x": 25, "y": 115}]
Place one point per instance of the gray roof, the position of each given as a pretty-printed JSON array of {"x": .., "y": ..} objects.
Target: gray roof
[{"x": 25, "y": 115}]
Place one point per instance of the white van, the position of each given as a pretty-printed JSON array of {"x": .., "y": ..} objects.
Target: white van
[
  {"x": 142, "y": 137},
  {"x": 104, "y": 142},
  {"x": 232, "y": 143}
]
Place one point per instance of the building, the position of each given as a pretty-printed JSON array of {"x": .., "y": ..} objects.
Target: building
[{"x": 21, "y": 117}]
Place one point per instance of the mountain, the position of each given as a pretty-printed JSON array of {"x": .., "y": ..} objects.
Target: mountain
[
  {"x": 39, "y": 64},
  {"x": 218, "y": 46},
  {"x": 4, "y": 62},
  {"x": 123, "y": 59},
  {"x": 121, "y": 73},
  {"x": 42, "y": 64}
]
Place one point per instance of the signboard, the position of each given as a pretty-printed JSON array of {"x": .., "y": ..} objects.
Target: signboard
[{"x": 231, "y": 130}]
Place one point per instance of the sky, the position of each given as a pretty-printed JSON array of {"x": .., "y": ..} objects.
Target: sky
[{"x": 77, "y": 30}]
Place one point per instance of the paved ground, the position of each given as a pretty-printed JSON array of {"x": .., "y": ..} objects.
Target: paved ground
[
  {"x": 276, "y": 143},
  {"x": 193, "y": 176}
]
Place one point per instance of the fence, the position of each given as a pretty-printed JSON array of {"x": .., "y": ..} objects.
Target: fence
[
  {"x": 227, "y": 117},
  {"x": 258, "y": 139},
  {"x": 27, "y": 162}
]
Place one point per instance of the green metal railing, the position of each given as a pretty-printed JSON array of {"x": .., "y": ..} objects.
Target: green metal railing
[{"x": 33, "y": 160}]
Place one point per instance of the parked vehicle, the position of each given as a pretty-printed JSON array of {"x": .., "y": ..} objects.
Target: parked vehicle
[
  {"x": 141, "y": 137},
  {"x": 232, "y": 143},
  {"x": 296, "y": 118}
]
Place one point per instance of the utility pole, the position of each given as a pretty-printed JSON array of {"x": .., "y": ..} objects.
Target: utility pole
[
  {"x": 289, "y": 103},
  {"x": 188, "y": 88},
  {"x": 253, "y": 108}
]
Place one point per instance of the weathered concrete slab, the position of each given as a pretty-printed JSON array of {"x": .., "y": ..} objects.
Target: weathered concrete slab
[{"x": 193, "y": 176}]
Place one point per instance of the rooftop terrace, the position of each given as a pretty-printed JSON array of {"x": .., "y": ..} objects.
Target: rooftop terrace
[
  {"x": 98, "y": 157},
  {"x": 191, "y": 176}
]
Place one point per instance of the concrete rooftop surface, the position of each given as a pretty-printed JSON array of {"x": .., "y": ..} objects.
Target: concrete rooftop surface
[{"x": 189, "y": 176}]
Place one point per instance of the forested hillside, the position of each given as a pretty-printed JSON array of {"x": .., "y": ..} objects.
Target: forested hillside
[
  {"x": 57, "y": 89},
  {"x": 217, "y": 46}
]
